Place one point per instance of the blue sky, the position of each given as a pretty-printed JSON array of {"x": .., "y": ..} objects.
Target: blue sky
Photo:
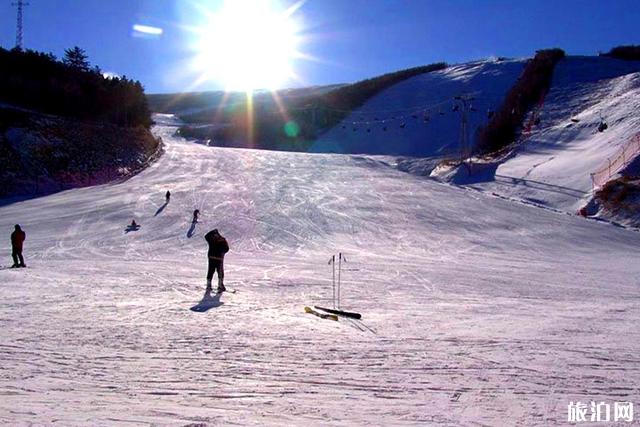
[{"x": 349, "y": 39}]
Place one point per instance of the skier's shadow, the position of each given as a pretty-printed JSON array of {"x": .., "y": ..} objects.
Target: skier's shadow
[
  {"x": 131, "y": 228},
  {"x": 192, "y": 230},
  {"x": 208, "y": 302},
  {"x": 161, "y": 208}
]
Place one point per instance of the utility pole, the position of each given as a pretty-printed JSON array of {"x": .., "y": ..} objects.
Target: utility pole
[
  {"x": 464, "y": 107},
  {"x": 20, "y": 4}
]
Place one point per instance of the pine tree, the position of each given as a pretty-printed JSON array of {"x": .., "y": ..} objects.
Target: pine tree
[{"x": 76, "y": 58}]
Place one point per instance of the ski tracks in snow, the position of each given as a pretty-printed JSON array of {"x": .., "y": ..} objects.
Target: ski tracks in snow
[{"x": 475, "y": 310}]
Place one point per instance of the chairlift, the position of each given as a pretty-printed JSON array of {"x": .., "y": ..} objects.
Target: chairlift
[{"x": 603, "y": 126}]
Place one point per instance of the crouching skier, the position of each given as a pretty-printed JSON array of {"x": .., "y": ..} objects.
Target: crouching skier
[{"x": 218, "y": 246}]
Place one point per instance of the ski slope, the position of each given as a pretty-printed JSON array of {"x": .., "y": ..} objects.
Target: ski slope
[
  {"x": 476, "y": 310},
  {"x": 402, "y": 109},
  {"x": 552, "y": 166}
]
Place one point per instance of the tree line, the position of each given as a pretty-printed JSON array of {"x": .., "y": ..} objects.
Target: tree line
[
  {"x": 70, "y": 87},
  {"x": 629, "y": 52},
  {"x": 531, "y": 87}
]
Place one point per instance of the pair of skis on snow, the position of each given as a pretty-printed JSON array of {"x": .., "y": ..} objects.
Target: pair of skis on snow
[{"x": 330, "y": 313}]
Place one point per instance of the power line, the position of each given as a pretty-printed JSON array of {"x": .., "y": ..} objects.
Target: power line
[{"x": 20, "y": 4}]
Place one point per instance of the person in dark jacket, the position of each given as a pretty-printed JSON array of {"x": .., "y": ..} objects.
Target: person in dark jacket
[
  {"x": 17, "y": 239},
  {"x": 196, "y": 213},
  {"x": 167, "y": 196},
  {"x": 218, "y": 246}
]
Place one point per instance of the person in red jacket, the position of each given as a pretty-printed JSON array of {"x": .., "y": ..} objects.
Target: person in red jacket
[
  {"x": 17, "y": 239},
  {"x": 218, "y": 246}
]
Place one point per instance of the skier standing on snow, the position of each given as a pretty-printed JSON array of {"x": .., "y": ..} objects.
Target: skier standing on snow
[
  {"x": 195, "y": 215},
  {"x": 218, "y": 246},
  {"x": 167, "y": 195},
  {"x": 17, "y": 239}
]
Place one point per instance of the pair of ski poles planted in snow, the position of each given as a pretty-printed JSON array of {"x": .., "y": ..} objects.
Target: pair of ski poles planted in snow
[
  {"x": 335, "y": 311},
  {"x": 332, "y": 262}
]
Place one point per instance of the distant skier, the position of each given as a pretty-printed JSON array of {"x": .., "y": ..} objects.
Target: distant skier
[
  {"x": 218, "y": 246},
  {"x": 167, "y": 196},
  {"x": 196, "y": 213},
  {"x": 134, "y": 226},
  {"x": 17, "y": 239}
]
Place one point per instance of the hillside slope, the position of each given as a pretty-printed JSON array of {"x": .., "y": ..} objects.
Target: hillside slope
[
  {"x": 402, "y": 110},
  {"x": 42, "y": 153},
  {"x": 475, "y": 309},
  {"x": 552, "y": 165}
]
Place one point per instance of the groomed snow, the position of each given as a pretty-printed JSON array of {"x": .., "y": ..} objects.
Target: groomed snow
[{"x": 475, "y": 310}]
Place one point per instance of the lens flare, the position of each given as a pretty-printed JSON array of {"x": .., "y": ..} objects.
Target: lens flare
[{"x": 146, "y": 30}]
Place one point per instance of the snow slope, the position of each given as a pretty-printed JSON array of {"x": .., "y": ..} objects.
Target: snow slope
[
  {"x": 475, "y": 310},
  {"x": 553, "y": 165},
  {"x": 429, "y": 94}
]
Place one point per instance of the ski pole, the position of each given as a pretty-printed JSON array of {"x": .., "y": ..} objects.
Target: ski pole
[
  {"x": 339, "y": 269},
  {"x": 332, "y": 261},
  {"x": 341, "y": 258}
]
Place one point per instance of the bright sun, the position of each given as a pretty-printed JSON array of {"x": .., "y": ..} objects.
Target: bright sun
[{"x": 248, "y": 45}]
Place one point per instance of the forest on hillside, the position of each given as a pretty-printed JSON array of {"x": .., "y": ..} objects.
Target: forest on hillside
[
  {"x": 70, "y": 87},
  {"x": 306, "y": 116}
]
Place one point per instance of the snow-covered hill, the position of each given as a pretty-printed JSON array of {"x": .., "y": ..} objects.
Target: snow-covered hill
[
  {"x": 475, "y": 309},
  {"x": 553, "y": 165},
  {"x": 393, "y": 122}
]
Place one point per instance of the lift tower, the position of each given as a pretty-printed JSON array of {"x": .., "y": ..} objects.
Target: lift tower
[{"x": 20, "y": 4}]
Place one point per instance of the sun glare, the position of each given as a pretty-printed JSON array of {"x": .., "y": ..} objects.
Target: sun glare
[{"x": 248, "y": 45}]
